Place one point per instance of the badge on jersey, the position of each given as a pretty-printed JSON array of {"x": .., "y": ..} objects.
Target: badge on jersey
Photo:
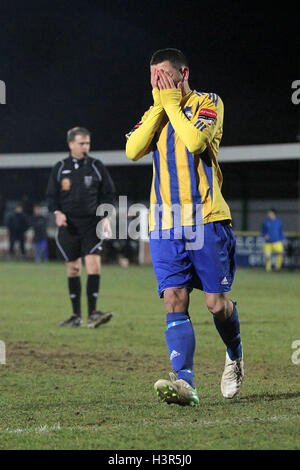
[
  {"x": 134, "y": 129},
  {"x": 207, "y": 115},
  {"x": 188, "y": 112},
  {"x": 66, "y": 184},
  {"x": 88, "y": 181}
]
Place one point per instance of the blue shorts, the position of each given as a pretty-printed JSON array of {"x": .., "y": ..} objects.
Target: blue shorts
[{"x": 210, "y": 268}]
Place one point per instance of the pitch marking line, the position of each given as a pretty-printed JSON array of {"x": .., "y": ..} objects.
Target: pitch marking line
[{"x": 57, "y": 427}]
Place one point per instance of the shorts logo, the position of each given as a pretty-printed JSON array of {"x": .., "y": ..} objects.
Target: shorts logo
[
  {"x": 88, "y": 181},
  {"x": 66, "y": 184},
  {"x": 224, "y": 281},
  {"x": 174, "y": 354}
]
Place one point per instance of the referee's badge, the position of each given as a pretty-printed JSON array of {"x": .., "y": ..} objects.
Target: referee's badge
[
  {"x": 88, "y": 181},
  {"x": 66, "y": 184}
]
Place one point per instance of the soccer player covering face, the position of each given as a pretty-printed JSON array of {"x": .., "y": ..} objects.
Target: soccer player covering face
[
  {"x": 77, "y": 186},
  {"x": 192, "y": 244}
]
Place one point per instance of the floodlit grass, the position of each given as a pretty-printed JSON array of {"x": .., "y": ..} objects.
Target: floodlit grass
[{"x": 93, "y": 389}]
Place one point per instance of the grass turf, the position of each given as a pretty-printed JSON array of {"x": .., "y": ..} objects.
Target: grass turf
[{"x": 79, "y": 388}]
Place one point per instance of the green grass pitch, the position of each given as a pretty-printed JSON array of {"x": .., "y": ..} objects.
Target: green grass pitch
[{"x": 93, "y": 389}]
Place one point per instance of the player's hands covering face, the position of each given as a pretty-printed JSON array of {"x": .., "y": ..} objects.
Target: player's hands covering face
[{"x": 166, "y": 82}]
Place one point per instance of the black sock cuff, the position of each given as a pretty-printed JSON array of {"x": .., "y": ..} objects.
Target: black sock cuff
[
  {"x": 74, "y": 281},
  {"x": 74, "y": 284}
]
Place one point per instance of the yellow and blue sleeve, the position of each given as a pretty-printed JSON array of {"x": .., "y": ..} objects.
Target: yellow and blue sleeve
[
  {"x": 139, "y": 139},
  {"x": 200, "y": 130}
]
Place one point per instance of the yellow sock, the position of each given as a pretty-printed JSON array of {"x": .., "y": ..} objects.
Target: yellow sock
[
  {"x": 268, "y": 264},
  {"x": 279, "y": 261}
]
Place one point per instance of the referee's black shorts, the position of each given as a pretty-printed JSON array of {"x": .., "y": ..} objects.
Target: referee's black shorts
[{"x": 78, "y": 239}]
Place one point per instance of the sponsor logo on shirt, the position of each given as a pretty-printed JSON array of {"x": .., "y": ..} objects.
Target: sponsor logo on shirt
[{"x": 207, "y": 115}]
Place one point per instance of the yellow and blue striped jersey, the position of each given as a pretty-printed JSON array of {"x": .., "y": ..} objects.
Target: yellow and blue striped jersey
[{"x": 184, "y": 135}]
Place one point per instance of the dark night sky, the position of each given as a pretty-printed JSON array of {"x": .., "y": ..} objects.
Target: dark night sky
[{"x": 68, "y": 63}]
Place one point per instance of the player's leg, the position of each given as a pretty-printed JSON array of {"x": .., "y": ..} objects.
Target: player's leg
[
  {"x": 68, "y": 244},
  {"x": 180, "y": 339},
  {"x": 226, "y": 320},
  {"x": 22, "y": 244},
  {"x": 45, "y": 256},
  {"x": 227, "y": 323},
  {"x": 215, "y": 266},
  {"x": 180, "y": 335},
  {"x": 278, "y": 249},
  {"x": 171, "y": 267},
  {"x": 93, "y": 268},
  {"x": 268, "y": 256},
  {"x": 37, "y": 252},
  {"x": 74, "y": 287},
  {"x": 12, "y": 241}
]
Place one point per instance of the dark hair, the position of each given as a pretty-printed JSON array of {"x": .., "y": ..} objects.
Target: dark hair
[
  {"x": 272, "y": 210},
  {"x": 72, "y": 133},
  {"x": 174, "y": 56}
]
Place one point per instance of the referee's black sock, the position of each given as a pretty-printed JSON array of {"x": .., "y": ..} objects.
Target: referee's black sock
[
  {"x": 74, "y": 284},
  {"x": 92, "y": 290}
]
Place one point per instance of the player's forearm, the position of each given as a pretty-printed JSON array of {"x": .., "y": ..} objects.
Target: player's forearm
[
  {"x": 139, "y": 142},
  {"x": 194, "y": 139}
]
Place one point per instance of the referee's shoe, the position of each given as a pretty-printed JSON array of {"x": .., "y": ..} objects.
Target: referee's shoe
[
  {"x": 74, "y": 320},
  {"x": 97, "y": 318}
]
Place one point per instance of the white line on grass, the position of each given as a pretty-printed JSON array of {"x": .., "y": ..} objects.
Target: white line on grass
[{"x": 57, "y": 427}]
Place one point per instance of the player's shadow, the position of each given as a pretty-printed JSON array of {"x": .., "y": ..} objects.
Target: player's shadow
[{"x": 269, "y": 396}]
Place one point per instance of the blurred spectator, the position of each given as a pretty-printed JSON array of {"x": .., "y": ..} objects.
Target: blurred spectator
[
  {"x": 39, "y": 225},
  {"x": 27, "y": 205},
  {"x": 272, "y": 231},
  {"x": 17, "y": 225}
]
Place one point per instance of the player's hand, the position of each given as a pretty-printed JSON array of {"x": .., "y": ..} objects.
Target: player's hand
[
  {"x": 61, "y": 219},
  {"x": 166, "y": 82},
  {"x": 106, "y": 229},
  {"x": 154, "y": 77}
]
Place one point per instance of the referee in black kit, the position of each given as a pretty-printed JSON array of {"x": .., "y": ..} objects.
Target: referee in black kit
[{"x": 76, "y": 187}]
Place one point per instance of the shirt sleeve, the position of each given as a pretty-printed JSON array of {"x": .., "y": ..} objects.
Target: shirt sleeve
[
  {"x": 52, "y": 192},
  {"x": 198, "y": 132},
  {"x": 139, "y": 139}
]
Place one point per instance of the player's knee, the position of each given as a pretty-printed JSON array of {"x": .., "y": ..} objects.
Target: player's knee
[
  {"x": 218, "y": 306},
  {"x": 176, "y": 299},
  {"x": 93, "y": 264},
  {"x": 73, "y": 269}
]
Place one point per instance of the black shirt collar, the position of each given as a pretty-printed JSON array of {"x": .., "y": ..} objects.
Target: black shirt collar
[{"x": 78, "y": 162}]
